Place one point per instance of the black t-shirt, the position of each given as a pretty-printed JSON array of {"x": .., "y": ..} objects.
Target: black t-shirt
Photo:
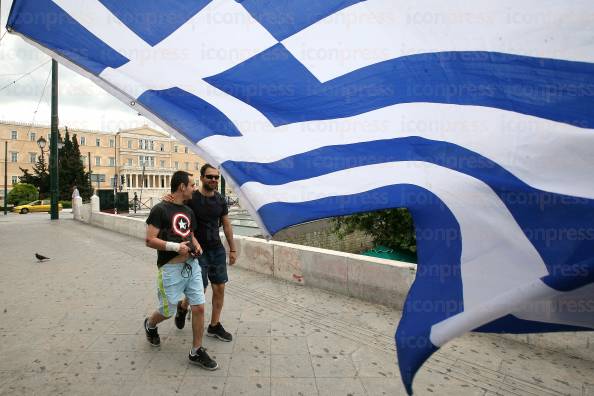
[
  {"x": 208, "y": 211},
  {"x": 175, "y": 223}
]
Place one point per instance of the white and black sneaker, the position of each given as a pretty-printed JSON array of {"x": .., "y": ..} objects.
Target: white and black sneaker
[
  {"x": 219, "y": 332},
  {"x": 202, "y": 359},
  {"x": 152, "y": 335}
]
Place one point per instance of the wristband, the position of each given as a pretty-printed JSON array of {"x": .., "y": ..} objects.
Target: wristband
[
  {"x": 232, "y": 251},
  {"x": 172, "y": 246}
]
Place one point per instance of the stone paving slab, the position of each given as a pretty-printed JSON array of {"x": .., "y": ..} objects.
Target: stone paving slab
[{"x": 73, "y": 325}]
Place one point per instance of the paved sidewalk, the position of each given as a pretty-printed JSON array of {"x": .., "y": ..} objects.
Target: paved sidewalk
[{"x": 73, "y": 325}]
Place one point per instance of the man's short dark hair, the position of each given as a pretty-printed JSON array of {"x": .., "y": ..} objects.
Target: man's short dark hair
[
  {"x": 179, "y": 178},
  {"x": 204, "y": 168}
]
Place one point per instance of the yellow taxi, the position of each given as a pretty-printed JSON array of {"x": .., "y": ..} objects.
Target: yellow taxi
[{"x": 35, "y": 206}]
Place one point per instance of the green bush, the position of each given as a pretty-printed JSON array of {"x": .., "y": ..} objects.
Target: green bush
[
  {"x": 66, "y": 204},
  {"x": 22, "y": 193},
  {"x": 393, "y": 228}
]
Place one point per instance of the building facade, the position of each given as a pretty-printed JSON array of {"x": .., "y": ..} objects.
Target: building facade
[{"x": 142, "y": 158}]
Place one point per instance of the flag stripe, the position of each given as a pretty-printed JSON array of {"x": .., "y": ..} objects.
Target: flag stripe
[
  {"x": 188, "y": 113},
  {"x": 280, "y": 87},
  {"x": 154, "y": 20},
  {"x": 554, "y": 153},
  {"x": 111, "y": 30},
  {"x": 59, "y": 32},
  {"x": 377, "y": 30},
  {"x": 284, "y": 18}
]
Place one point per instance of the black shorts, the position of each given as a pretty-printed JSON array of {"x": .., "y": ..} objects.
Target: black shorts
[{"x": 214, "y": 266}]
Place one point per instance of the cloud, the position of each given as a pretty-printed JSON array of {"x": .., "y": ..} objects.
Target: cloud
[{"x": 82, "y": 104}]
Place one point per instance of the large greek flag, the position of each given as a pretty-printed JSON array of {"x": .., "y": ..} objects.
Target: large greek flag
[{"x": 477, "y": 116}]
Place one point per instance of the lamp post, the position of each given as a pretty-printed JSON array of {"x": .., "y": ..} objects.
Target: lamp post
[
  {"x": 41, "y": 142},
  {"x": 115, "y": 174},
  {"x": 54, "y": 187},
  {"x": 5, "y": 177}
]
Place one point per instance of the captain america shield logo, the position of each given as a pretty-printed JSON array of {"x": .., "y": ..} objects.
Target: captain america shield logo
[{"x": 181, "y": 225}]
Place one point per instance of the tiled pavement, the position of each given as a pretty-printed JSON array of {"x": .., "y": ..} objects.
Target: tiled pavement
[{"x": 73, "y": 325}]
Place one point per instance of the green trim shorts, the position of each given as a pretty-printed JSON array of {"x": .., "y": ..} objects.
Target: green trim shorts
[{"x": 173, "y": 281}]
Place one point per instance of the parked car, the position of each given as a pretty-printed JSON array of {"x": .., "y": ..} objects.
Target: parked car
[{"x": 35, "y": 206}]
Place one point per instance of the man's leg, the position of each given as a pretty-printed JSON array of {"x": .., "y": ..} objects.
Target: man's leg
[
  {"x": 166, "y": 292},
  {"x": 217, "y": 274},
  {"x": 218, "y": 299},
  {"x": 195, "y": 295},
  {"x": 197, "y": 325},
  {"x": 155, "y": 319}
]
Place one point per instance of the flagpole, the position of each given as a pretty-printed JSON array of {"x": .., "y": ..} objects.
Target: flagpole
[
  {"x": 5, "y": 176},
  {"x": 54, "y": 188}
]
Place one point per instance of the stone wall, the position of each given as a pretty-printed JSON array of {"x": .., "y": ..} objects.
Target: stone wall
[{"x": 320, "y": 234}]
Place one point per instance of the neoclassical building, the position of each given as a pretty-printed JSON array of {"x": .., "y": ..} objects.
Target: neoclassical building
[{"x": 133, "y": 155}]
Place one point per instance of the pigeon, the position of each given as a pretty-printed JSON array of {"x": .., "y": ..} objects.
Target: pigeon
[{"x": 41, "y": 258}]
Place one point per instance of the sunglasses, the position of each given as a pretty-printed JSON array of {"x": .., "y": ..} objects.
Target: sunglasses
[{"x": 212, "y": 177}]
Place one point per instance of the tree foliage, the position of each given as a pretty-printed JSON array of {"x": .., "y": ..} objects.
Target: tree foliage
[
  {"x": 393, "y": 228},
  {"x": 71, "y": 172},
  {"x": 22, "y": 193},
  {"x": 39, "y": 178}
]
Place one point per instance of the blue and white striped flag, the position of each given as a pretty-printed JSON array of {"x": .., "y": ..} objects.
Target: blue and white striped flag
[{"x": 478, "y": 117}]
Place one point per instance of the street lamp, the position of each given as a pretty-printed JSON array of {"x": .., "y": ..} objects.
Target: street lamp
[{"x": 41, "y": 142}]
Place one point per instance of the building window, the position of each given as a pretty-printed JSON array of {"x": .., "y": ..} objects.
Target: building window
[
  {"x": 162, "y": 147},
  {"x": 111, "y": 161},
  {"x": 98, "y": 161},
  {"x": 176, "y": 166},
  {"x": 14, "y": 156},
  {"x": 15, "y": 180},
  {"x": 32, "y": 136},
  {"x": 152, "y": 145},
  {"x": 83, "y": 159},
  {"x": 187, "y": 166},
  {"x": 162, "y": 164},
  {"x": 129, "y": 161},
  {"x": 98, "y": 142},
  {"x": 83, "y": 140},
  {"x": 111, "y": 142},
  {"x": 129, "y": 144},
  {"x": 186, "y": 150},
  {"x": 32, "y": 158},
  {"x": 14, "y": 135},
  {"x": 146, "y": 160},
  {"x": 175, "y": 148}
]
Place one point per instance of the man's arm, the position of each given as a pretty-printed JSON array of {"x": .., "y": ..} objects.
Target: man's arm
[
  {"x": 197, "y": 245},
  {"x": 152, "y": 240},
  {"x": 228, "y": 230}
]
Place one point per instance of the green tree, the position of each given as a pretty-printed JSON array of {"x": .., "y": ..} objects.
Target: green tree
[
  {"x": 393, "y": 228},
  {"x": 71, "y": 170},
  {"x": 82, "y": 178},
  {"x": 39, "y": 178},
  {"x": 22, "y": 193}
]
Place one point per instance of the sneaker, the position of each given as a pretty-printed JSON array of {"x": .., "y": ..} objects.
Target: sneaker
[
  {"x": 152, "y": 335},
  {"x": 180, "y": 316},
  {"x": 202, "y": 359},
  {"x": 219, "y": 332}
]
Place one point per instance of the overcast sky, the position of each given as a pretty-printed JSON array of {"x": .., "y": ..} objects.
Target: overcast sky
[{"x": 82, "y": 104}]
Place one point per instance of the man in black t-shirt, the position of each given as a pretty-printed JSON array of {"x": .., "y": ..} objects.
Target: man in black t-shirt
[
  {"x": 210, "y": 209},
  {"x": 170, "y": 230}
]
